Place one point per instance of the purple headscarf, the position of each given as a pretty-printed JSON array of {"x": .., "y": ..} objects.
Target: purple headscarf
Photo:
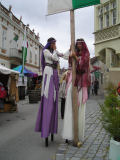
[{"x": 42, "y": 55}]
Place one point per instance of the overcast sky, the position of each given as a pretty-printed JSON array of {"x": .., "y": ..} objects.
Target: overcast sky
[{"x": 58, "y": 26}]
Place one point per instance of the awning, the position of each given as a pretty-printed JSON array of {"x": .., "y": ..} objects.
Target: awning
[
  {"x": 95, "y": 68},
  {"x": 5, "y": 70},
  {"x": 26, "y": 72}
]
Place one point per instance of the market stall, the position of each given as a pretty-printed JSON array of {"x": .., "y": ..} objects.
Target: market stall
[
  {"x": 8, "y": 81},
  {"x": 24, "y": 80}
]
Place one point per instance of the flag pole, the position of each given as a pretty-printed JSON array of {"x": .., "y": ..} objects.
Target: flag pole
[
  {"x": 23, "y": 65},
  {"x": 74, "y": 89},
  {"x": 23, "y": 62}
]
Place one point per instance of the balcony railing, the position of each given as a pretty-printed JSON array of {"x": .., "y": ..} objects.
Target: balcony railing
[
  {"x": 14, "y": 53},
  {"x": 107, "y": 34}
]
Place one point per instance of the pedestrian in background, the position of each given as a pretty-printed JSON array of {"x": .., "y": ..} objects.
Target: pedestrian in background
[
  {"x": 3, "y": 95},
  {"x": 92, "y": 87},
  {"x": 62, "y": 95},
  {"x": 96, "y": 87}
]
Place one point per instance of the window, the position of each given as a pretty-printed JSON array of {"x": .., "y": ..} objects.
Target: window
[
  {"x": 101, "y": 22},
  {"x": 114, "y": 5},
  {"x": 114, "y": 12},
  {"x": 35, "y": 58},
  {"x": 30, "y": 57},
  {"x": 107, "y": 19},
  {"x": 4, "y": 37},
  {"x": 107, "y": 15},
  {"x": 114, "y": 16},
  {"x": 100, "y": 18},
  {"x": 107, "y": 8},
  {"x": 100, "y": 11}
]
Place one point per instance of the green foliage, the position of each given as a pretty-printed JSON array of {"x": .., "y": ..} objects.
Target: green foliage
[
  {"x": 112, "y": 101},
  {"x": 111, "y": 88},
  {"x": 110, "y": 116}
]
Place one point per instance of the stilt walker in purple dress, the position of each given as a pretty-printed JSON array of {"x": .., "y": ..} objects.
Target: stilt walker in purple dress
[{"x": 47, "y": 119}]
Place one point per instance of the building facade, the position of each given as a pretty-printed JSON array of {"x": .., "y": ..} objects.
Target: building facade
[
  {"x": 107, "y": 37},
  {"x": 11, "y": 39}
]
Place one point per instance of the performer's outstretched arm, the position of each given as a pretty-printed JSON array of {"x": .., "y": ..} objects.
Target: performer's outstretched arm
[
  {"x": 53, "y": 57},
  {"x": 64, "y": 55}
]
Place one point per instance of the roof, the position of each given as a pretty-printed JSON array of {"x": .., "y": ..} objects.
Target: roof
[
  {"x": 93, "y": 60},
  {"x": 5, "y": 70},
  {"x": 17, "y": 21}
]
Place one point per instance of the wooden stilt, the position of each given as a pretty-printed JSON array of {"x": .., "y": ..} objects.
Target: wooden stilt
[
  {"x": 52, "y": 137},
  {"x": 46, "y": 142}
]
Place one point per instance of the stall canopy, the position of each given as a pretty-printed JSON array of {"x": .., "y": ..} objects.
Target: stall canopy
[
  {"x": 5, "y": 70},
  {"x": 26, "y": 72},
  {"x": 95, "y": 68}
]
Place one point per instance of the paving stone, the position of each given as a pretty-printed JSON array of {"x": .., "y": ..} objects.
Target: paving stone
[
  {"x": 80, "y": 152},
  {"x": 72, "y": 147},
  {"x": 59, "y": 156},
  {"x": 71, "y": 151},
  {"x": 78, "y": 155},
  {"x": 75, "y": 158},
  {"x": 92, "y": 150},
  {"x": 88, "y": 155},
  {"x": 68, "y": 155},
  {"x": 98, "y": 158},
  {"x": 60, "y": 151}
]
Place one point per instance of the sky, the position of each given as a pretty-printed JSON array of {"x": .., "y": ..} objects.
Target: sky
[{"x": 57, "y": 26}]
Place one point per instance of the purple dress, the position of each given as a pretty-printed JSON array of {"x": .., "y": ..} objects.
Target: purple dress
[{"x": 47, "y": 119}]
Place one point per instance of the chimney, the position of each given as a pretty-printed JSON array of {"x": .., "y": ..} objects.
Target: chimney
[
  {"x": 21, "y": 23},
  {"x": 38, "y": 36},
  {"x": 28, "y": 25},
  {"x": 10, "y": 11},
  {"x": 33, "y": 31},
  {"x": 28, "y": 29},
  {"x": 10, "y": 8},
  {"x": 20, "y": 18}
]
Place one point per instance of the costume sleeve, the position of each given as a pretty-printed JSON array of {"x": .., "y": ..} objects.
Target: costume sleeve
[
  {"x": 53, "y": 57},
  {"x": 66, "y": 55}
]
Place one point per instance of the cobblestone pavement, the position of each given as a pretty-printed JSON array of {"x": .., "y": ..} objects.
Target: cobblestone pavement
[{"x": 96, "y": 144}]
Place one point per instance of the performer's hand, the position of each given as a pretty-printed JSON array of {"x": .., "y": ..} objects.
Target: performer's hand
[
  {"x": 70, "y": 55},
  {"x": 74, "y": 56},
  {"x": 70, "y": 48},
  {"x": 59, "y": 54}
]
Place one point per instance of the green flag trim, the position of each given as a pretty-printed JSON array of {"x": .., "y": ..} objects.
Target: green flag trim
[{"x": 84, "y": 3}]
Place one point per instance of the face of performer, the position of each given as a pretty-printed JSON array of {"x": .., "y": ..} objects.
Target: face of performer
[
  {"x": 53, "y": 46},
  {"x": 79, "y": 46}
]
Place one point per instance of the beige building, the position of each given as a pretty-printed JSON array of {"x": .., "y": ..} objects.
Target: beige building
[
  {"x": 11, "y": 39},
  {"x": 107, "y": 38}
]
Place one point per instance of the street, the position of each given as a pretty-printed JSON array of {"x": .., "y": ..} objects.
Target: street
[{"x": 18, "y": 141}]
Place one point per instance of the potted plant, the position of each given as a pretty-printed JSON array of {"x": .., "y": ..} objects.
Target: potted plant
[{"x": 110, "y": 117}]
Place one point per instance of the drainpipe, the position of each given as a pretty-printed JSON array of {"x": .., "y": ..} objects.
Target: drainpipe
[{"x": 39, "y": 58}]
